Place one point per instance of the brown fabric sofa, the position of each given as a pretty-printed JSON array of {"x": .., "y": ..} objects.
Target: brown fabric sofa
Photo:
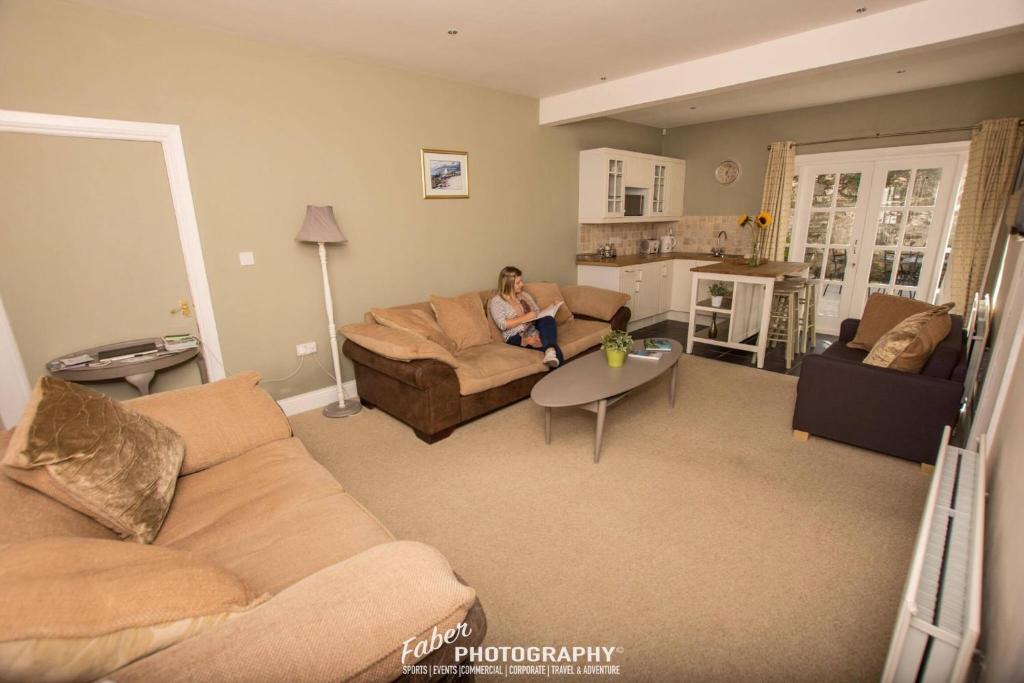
[
  {"x": 345, "y": 594},
  {"x": 881, "y": 409},
  {"x": 434, "y": 398}
]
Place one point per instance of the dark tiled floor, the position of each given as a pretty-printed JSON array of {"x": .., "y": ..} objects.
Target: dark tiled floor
[{"x": 774, "y": 361}]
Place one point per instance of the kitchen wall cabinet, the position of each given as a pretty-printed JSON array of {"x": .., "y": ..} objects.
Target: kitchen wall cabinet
[{"x": 608, "y": 175}]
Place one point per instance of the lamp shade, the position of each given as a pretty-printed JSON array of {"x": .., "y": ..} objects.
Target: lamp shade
[{"x": 320, "y": 226}]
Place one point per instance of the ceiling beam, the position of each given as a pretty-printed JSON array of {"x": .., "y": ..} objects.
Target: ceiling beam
[{"x": 911, "y": 27}]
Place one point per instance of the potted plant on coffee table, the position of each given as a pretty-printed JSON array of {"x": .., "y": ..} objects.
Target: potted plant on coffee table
[
  {"x": 718, "y": 291},
  {"x": 616, "y": 345}
]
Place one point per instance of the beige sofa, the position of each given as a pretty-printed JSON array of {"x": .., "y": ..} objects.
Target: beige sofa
[{"x": 345, "y": 593}]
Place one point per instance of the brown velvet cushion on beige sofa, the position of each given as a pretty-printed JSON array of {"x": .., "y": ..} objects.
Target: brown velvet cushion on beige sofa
[
  {"x": 547, "y": 293},
  {"x": 593, "y": 302},
  {"x": 463, "y": 319},
  {"x": 75, "y": 609},
  {"x": 218, "y": 420},
  {"x": 396, "y": 344},
  {"x": 86, "y": 451},
  {"x": 883, "y": 312},
  {"x": 909, "y": 345},
  {"x": 418, "y": 322}
]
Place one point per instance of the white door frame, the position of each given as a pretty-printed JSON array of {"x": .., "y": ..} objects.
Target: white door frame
[
  {"x": 959, "y": 149},
  {"x": 15, "y": 390}
]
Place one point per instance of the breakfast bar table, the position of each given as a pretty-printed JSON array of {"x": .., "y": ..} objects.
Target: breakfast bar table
[{"x": 740, "y": 274}]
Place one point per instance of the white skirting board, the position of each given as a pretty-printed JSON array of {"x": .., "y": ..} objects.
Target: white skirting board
[{"x": 318, "y": 398}]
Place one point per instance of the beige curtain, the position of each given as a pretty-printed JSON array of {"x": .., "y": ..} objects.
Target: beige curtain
[
  {"x": 776, "y": 199},
  {"x": 995, "y": 150}
]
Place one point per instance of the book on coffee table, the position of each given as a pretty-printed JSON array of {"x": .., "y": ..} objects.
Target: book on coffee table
[
  {"x": 657, "y": 344},
  {"x": 646, "y": 354}
]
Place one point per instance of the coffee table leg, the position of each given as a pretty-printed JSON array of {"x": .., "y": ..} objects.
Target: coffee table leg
[
  {"x": 547, "y": 425},
  {"x": 141, "y": 381},
  {"x": 672, "y": 385},
  {"x": 602, "y": 408}
]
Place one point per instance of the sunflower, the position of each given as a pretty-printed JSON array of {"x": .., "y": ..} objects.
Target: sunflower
[
  {"x": 763, "y": 219},
  {"x": 742, "y": 220}
]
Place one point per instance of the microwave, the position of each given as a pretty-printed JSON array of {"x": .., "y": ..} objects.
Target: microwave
[{"x": 634, "y": 203}]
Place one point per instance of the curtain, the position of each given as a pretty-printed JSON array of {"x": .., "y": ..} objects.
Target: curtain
[
  {"x": 776, "y": 199},
  {"x": 995, "y": 149}
]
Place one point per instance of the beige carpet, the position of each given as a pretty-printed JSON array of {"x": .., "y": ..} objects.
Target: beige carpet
[{"x": 708, "y": 544}]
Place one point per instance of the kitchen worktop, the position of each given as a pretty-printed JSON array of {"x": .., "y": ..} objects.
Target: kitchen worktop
[
  {"x": 767, "y": 269},
  {"x": 637, "y": 259}
]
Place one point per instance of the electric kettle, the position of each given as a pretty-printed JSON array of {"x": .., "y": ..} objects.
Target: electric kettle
[{"x": 668, "y": 243}]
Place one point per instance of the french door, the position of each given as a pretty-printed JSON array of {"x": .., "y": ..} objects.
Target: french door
[{"x": 874, "y": 221}]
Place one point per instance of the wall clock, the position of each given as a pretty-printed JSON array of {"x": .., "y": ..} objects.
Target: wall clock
[{"x": 727, "y": 172}]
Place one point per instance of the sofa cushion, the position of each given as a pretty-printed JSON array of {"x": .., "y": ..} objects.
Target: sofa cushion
[
  {"x": 219, "y": 420},
  {"x": 908, "y": 346},
  {"x": 593, "y": 301},
  {"x": 495, "y": 364},
  {"x": 576, "y": 336},
  {"x": 76, "y": 609},
  {"x": 85, "y": 450},
  {"x": 272, "y": 516},
  {"x": 416, "y": 321},
  {"x": 547, "y": 293},
  {"x": 882, "y": 312},
  {"x": 463, "y": 319},
  {"x": 396, "y": 344}
]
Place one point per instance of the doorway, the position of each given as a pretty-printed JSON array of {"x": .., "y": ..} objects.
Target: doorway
[{"x": 875, "y": 221}]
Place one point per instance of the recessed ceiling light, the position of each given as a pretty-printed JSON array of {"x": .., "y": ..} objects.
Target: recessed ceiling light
[
  {"x": 453, "y": 31},
  {"x": 901, "y": 71},
  {"x": 862, "y": 10}
]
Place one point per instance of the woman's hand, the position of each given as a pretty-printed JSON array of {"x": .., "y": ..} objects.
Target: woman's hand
[{"x": 533, "y": 340}]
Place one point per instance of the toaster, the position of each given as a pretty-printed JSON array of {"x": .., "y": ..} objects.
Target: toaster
[{"x": 649, "y": 247}]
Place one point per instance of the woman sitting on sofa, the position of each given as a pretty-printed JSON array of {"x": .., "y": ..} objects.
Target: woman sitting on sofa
[{"x": 516, "y": 314}]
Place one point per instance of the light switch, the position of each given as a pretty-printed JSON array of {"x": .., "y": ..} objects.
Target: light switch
[{"x": 246, "y": 258}]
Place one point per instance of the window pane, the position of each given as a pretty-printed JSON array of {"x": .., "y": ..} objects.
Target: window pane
[
  {"x": 926, "y": 186},
  {"x": 824, "y": 189},
  {"x": 817, "y": 228},
  {"x": 849, "y": 185},
  {"x": 842, "y": 226},
  {"x": 916, "y": 234},
  {"x": 835, "y": 267},
  {"x": 888, "y": 228},
  {"x": 813, "y": 256},
  {"x": 896, "y": 184},
  {"x": 909, "y": 271},
  {"x": 881, "y": 266}
]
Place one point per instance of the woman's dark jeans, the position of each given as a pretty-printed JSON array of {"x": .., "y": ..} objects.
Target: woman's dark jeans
[{"x": 548, "y": 331}]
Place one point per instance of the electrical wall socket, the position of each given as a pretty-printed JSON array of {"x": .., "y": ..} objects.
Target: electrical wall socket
[{"x": 305, "y": 349}]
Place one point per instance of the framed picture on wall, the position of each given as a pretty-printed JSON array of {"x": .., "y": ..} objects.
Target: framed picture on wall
[{"x": 445, "y": 174}]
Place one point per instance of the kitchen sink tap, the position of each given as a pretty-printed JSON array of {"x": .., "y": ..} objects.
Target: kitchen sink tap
[{"x": 718, "y": 250}]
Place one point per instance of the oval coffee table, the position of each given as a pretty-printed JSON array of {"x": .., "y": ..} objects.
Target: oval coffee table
[{"x": 590, "y": 384}]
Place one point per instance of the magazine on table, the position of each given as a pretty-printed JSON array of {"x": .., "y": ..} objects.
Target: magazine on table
[{"x": 657, "y": 344}]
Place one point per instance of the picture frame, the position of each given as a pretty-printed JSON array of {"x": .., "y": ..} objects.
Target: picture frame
[{"x": 445, "y": 174}]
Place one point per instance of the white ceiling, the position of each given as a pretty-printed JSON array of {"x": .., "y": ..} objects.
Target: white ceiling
[
  {"x": 925, "y": 68},
  {"x": 528, "y": 47}
]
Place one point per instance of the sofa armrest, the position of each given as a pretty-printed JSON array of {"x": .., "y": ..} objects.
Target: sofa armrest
[
  {"x": 619, "y": 321},
  {"x": 421, "y": 374},
  {"x": 848, "y": 330},
  {"x": 595, "y": 302},
  {"x": 352, "y": 621},
  {"x": 884, "y": 410}
]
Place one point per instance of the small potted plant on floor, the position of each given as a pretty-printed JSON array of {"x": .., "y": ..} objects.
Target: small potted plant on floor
[
  {"x": 616, "y": 345},
  {"x": 718, "y": 290}
]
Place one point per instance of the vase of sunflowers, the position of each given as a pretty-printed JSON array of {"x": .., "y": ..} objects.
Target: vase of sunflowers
[{"x": 758, "y": 225}]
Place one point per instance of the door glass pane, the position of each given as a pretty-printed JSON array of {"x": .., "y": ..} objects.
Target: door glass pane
[
  {"x": 813, "y": 256},
  {"x": 817, "y": 229},
  {"x": 916, "y": 234},
  {"x": 842, "y": 226},
  {"x": 888, "y": 228},
  {"x": 896, "y": 185},
  {"x": 909, "y": 271},
  {"x": 824, "y": 188},
  {"x": 881, "y": 266},
  {"x": 849, "y": 186},
  {"x": 835, "y": 267},
  {"x": 926, "y": 186}
]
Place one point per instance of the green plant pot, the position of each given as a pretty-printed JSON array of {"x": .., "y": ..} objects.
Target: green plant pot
[{"x": 615, "y": 357}]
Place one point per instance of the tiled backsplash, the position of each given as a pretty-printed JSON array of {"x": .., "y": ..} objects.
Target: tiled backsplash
[{"x": 693, "y": 233}]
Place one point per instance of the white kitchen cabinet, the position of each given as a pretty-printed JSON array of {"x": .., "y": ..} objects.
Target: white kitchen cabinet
[
  {"x": 649, "y": 285},
  {"x": 607, "y": 175}
]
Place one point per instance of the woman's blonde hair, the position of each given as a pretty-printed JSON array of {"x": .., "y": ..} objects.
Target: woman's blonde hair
[{"x": 507, "y": 281}]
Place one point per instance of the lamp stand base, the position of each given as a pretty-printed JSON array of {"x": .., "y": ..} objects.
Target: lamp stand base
[{"x": 351, "y": 407}]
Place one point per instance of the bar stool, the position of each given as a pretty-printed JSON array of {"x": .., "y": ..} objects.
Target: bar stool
[
  {"x": 808, "y": 302},
  {"x": 784, "y": 322}
]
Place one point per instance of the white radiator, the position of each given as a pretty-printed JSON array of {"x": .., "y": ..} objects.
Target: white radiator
[{"x": 940, "y": 614}]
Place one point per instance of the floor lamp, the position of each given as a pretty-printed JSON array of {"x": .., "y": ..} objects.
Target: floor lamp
[{"x": 321, "y": 227}]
